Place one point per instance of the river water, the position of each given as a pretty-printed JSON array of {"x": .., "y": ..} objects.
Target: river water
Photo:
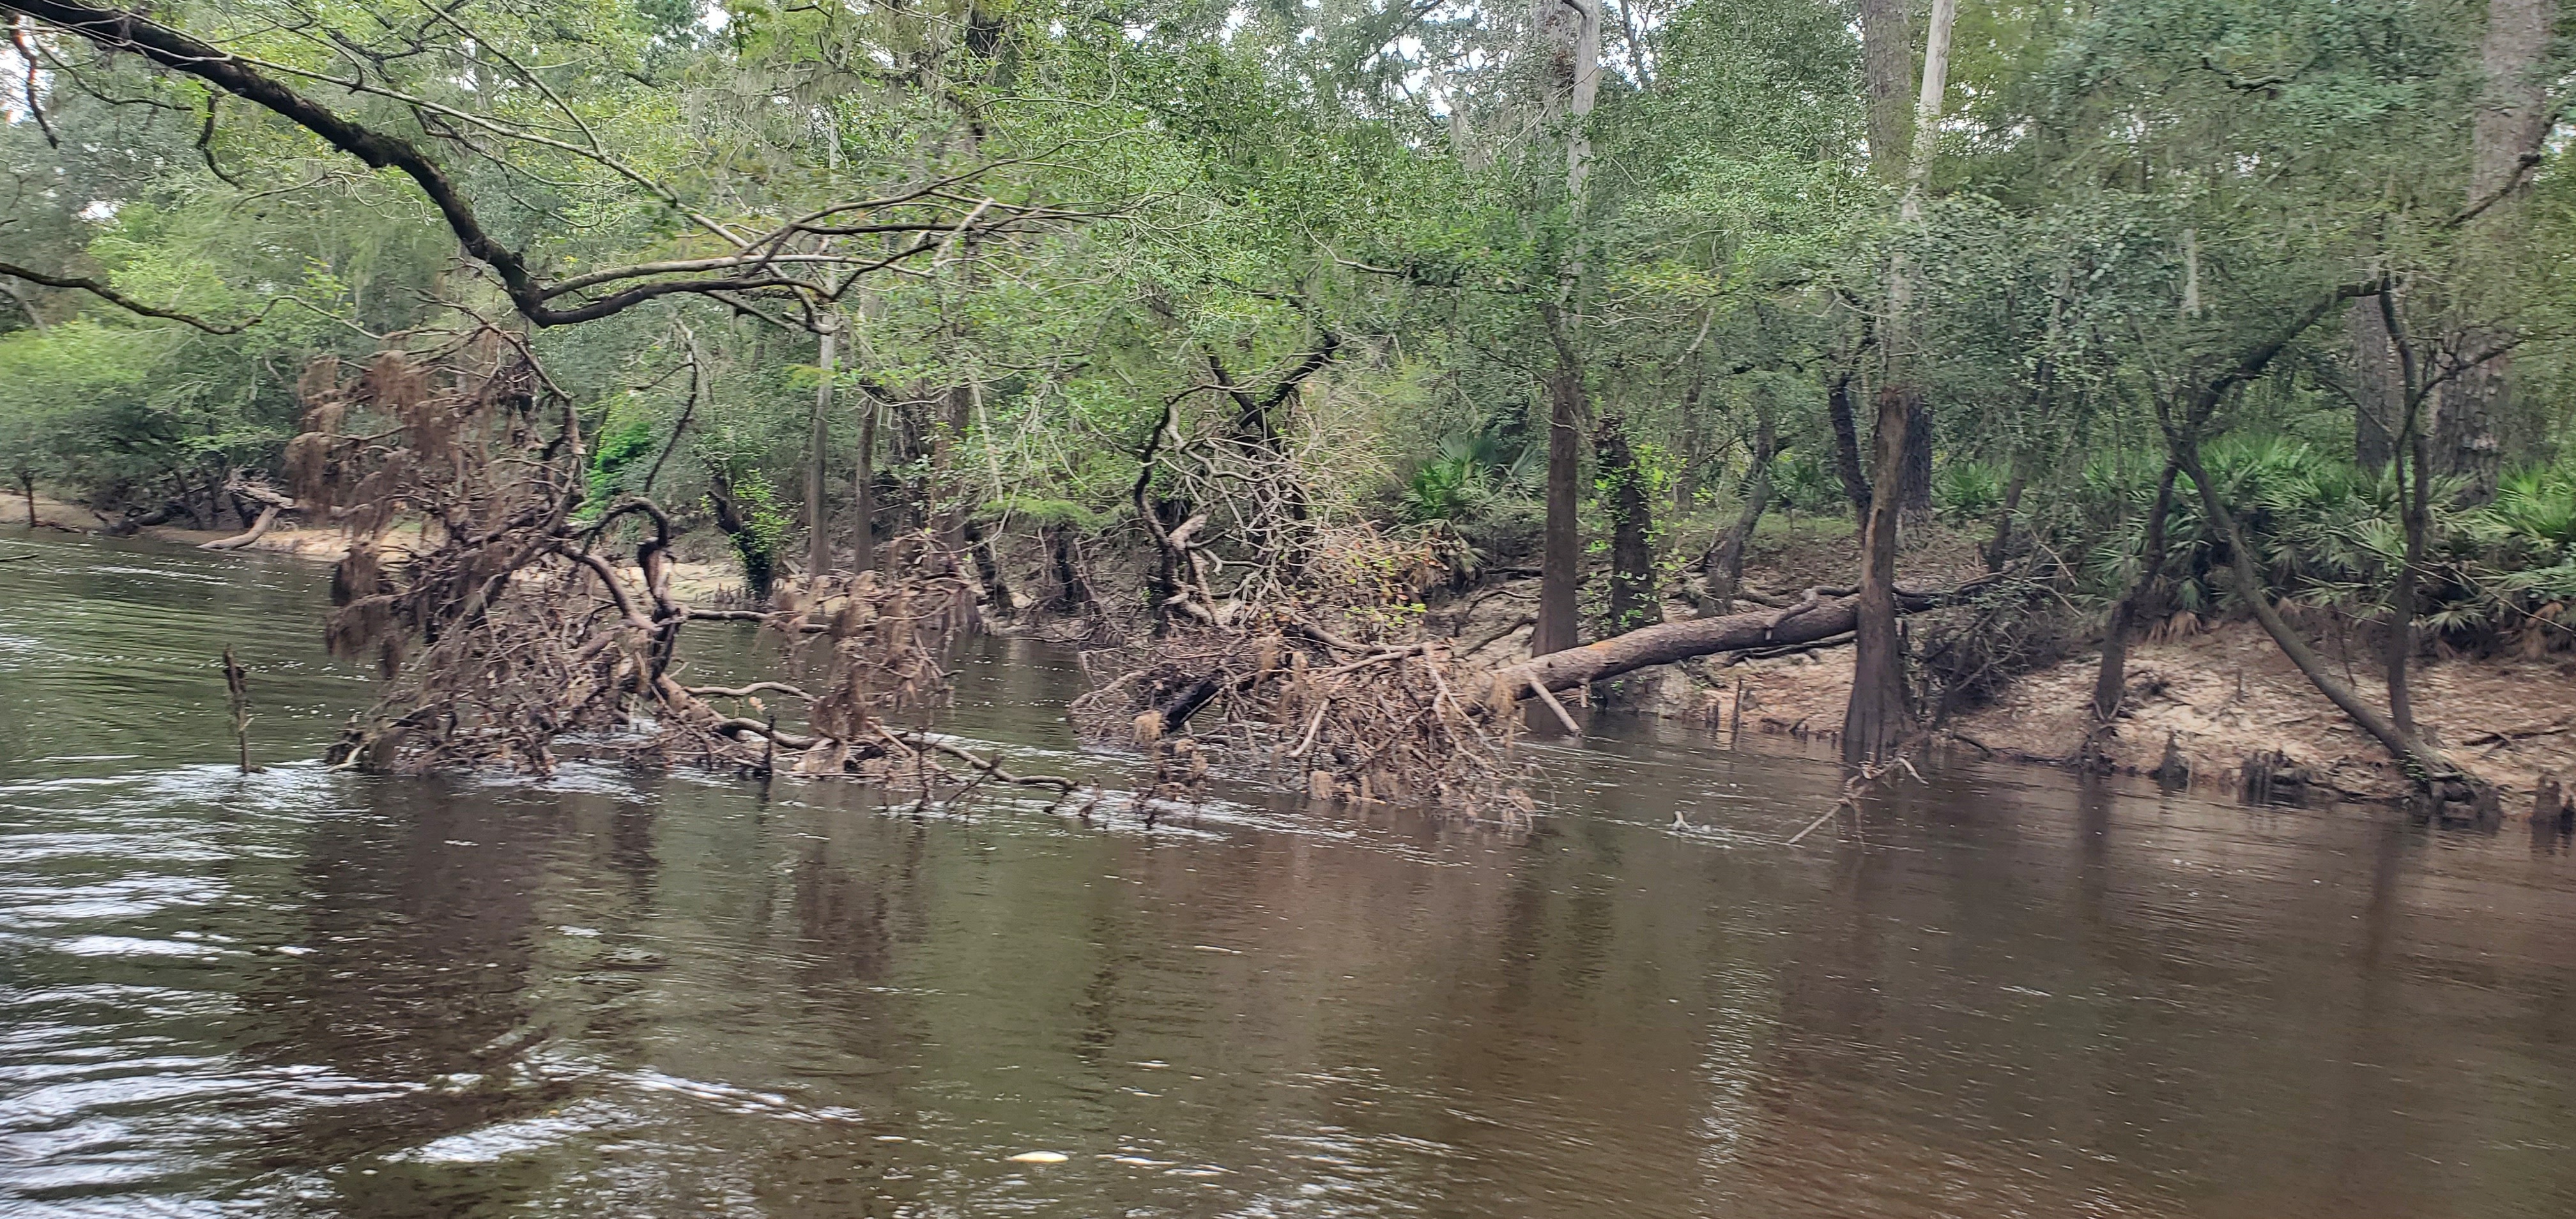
[{"x": 300, "y": 993}]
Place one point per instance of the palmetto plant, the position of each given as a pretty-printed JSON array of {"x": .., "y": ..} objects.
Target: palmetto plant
[
  {"x": 1967, "y": 491},
  {"x": 2329, "y": 536},
  {"x": 1465, "y": 471}
]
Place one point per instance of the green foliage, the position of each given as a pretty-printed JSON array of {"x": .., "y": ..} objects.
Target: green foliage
[
  {"x": 1252, "y": 180},
  {"x": 766, "y": 527},
  {"x": 1463, "y": 477},
  {"x": 623, "y": 444},
  {"x": 1803, "y": 482},
  {"x": 2537, "y": 507},
  {"x": 1965, "y": 492}
]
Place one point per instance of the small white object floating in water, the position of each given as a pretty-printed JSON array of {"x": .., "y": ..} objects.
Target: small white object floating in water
[{"x": 1039, "y": 1157}]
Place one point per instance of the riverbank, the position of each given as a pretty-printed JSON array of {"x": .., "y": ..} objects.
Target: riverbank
[
  {"x": 2214, "y": 697},
  {"x": 2218, "y": 698},
  {"x": 696, "y": 577}
]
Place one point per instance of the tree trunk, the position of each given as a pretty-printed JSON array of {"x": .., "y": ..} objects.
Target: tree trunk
[
  {"x": 1880, "y": 716},
  {"x": 2513, "y": 118},
  {"x": 1887, "y": 56},
  {"x": 27, "y": 486},
  {"x": 1838, "y": 409},
  {"x": 1918, "y": 464},
  {"x": 946, "y": 512},
  {"x": 818, "y": 533},
  {"x": 1694, "y": 443},
  {"x": 1561, "y": 553},
  {"x": 1072, "y": 593},
  {"x": 988, "y": 570},
  {"x": 258, "y": 529},
  {"x": 863, "y": 488},
  {"x": 2112, "y": 683},
  {"x": 1632, "y": 557},
  {"x": 2377, "y": 394},
  {"x": 1560, "y": 562},
  {"x": 1811, "y": 620},
  {"x": 1722, "y": 568},
  {"x": 1999, "y": 546},
  {"x": 2416, "y": 510},
  {"x": 2414, "y": 482}
]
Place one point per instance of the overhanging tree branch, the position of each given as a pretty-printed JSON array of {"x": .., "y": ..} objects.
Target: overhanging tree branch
[
  {"x": 101, "y": 290},
  {"x": 750, "y": 270}
]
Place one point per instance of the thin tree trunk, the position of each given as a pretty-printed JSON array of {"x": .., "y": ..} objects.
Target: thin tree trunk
[
  {"x": 1694, "y": 443},
  {"x": 947, "y": 511},
  {"x": 1632, "y": 557},
  {"x": 1999, "y": 546},
  {"x": 27, "y": 486},
  {"x": 2425, "y": 761},
  {"x": 863, "y": 488},
  {"x": 1838, "y": 410},
  {"x": 2414, "y": 479},
  {"x": 818, "y": 532},
  {"x": 1560, "y": 569},
  {"x": 1561, "y": 552},
  {"x": 2111, "y": 684},
  {"x": 2416, "y": 510},
  {"x": 1723, "y": 567}
]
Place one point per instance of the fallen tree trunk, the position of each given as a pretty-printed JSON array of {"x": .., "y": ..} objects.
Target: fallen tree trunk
[
  {"x": 259, "y": 529},
  {"x": 1809, "y": 621},
  {"x": 271, "y": 501}
]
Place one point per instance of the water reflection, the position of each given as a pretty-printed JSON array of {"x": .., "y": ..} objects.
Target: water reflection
[{"x": 303, "y": 993}]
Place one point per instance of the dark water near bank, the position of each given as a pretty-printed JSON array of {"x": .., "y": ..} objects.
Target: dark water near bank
[{"x": 299, "y": 993}]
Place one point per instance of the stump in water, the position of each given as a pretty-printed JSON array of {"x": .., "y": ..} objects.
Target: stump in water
[
  {"x": 2174, "y": 772},
  {"x": 2271, "y": 778},
  {"x": 237, "y": 688}
]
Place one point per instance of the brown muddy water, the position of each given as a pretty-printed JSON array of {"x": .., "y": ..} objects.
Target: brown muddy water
[{"x": 302, "y": 993}]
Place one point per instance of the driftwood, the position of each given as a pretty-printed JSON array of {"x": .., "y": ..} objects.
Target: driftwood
[{"x": 272, "y": 504}]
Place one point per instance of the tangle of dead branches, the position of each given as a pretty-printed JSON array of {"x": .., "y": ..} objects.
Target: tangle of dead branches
[
  {"x": 516, "y": 629},
  {"x": 1327, "y": 687}
]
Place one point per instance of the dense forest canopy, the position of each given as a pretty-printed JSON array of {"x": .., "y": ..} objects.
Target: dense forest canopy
[{"x": 2180, "y": 306}]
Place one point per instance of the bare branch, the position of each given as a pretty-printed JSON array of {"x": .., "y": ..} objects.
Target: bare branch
[{"x": 100, "y": 289}]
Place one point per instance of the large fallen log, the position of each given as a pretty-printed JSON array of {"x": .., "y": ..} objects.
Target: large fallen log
[
  {"x": 271, "y": 503},
  {"x": 1816, "y": 618}
]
